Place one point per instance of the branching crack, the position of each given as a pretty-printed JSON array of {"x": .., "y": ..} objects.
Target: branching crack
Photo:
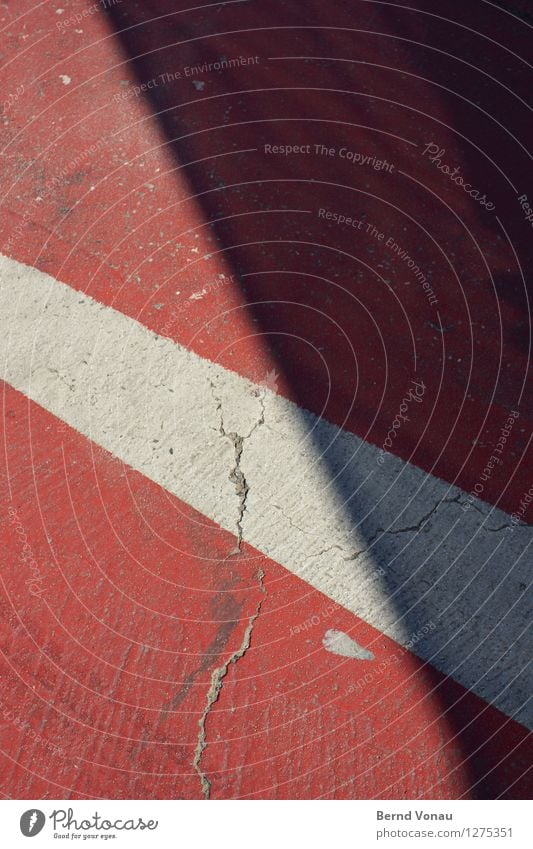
[
  {"x": 410, "y": 528},
  {"x": 236, "y": 474},
  {"x": 217, "y": 682},
  {"x": 426, "y": 516},
  {"x": 374, "y": 536}
]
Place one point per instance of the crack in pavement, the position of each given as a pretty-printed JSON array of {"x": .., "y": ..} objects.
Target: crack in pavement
[
  {"x": 426, "y": 516},
  {"x": 237, "y": 477},
  {"x": 417, "y": 527},
  {"x": 217, "y": 682},
  {"x": 236, "y": 474},
  {"x": 325, "y": 551},
  {"x": 305, "y": 532}
]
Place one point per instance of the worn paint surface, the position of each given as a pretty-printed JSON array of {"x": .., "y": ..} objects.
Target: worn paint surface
[
  {"x": 112, "y": 659},
  {"x": 414, "y": 551},
  {"x": 146, "y": 656}
]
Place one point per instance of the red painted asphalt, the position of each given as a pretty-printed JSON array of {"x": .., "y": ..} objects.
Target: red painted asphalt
[
  {"x": 346, "y": 323},
  {"x": 102, "y": 661},
  {"x": 137, "y": 602}
]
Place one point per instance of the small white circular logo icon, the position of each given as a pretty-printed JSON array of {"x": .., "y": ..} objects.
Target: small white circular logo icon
[{"x": 32, "y": 822}]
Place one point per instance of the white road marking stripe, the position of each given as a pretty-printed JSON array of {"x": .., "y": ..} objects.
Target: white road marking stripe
[{"x": 449, "y": 585}]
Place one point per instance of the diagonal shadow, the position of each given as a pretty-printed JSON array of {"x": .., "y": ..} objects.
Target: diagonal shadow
[{"x": 218, "y": 79}]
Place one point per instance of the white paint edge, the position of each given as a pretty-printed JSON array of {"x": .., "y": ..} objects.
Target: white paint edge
[{"x": 122, "y": 386}]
